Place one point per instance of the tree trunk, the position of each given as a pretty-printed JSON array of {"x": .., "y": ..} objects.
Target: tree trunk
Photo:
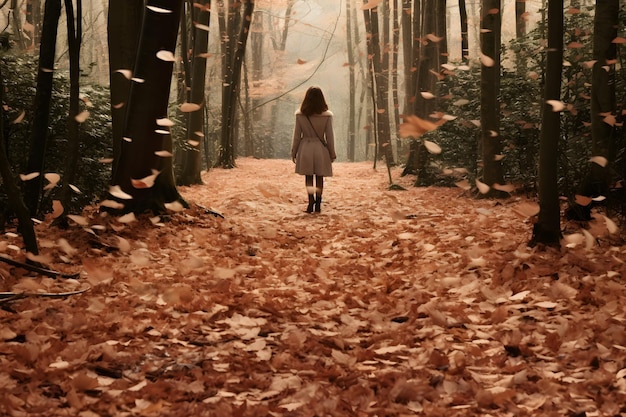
[
  {"x": 13, "y": 192},
  {"x": 123, "y": 27},
  {"x": 464, "y": 31},
  {"x": 74, "y": 39},
  {"x": 192, "y": 165},
  {"x": 490, "y": 89},
  {"x": 547, "y": 230},
  {"x": 352, "y": 83},
  {"x": 232, "y": 78},
  {"x": 145, "y": 170},
  {"x": 603, "y": 101},
  {"x": 41, "y": 105}
]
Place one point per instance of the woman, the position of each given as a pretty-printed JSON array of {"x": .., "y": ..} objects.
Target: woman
[{"x": 313, "y": 145}]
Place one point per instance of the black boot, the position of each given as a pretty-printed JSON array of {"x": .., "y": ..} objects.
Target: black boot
[
  {"x": 318, "y": 203},
  {"x": 309, "y": 207}
]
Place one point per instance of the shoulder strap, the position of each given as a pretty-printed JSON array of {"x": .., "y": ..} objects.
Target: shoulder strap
[{"x": 316, "y": 134}]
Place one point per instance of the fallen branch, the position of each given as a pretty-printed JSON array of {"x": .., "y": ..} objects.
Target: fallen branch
[
  {"x": 6, "y": 297},
  {"x": 41, "y": 270}
]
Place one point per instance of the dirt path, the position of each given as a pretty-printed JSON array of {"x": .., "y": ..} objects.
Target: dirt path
[{"x": 388, "y": 303}]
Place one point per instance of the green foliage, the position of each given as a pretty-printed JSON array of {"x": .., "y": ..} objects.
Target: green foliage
[
  {"x": 521, "y": 98},
  {"x": 95, "y": 133}
]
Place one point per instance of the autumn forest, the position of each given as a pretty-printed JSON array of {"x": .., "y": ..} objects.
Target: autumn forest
[{"x": 156, "y": 258}]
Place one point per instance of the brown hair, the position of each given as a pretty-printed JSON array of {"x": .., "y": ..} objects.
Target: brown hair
[{"x": 314, "y": 102}]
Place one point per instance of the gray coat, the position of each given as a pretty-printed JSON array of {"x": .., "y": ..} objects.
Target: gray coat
[{"x": 310, "y": 154}]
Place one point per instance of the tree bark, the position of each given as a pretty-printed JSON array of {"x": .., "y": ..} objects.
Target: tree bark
[
  {"x": 145, "y": 154},
  {"x": 192, "y": 165},
  {"x": 41, "y": 105},
  {"x": 490, "y": 89},
  {"x": 352, "y": 83},
  {"x": 547, "y": 230}
]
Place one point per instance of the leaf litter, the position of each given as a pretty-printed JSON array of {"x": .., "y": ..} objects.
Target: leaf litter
[{"x": 425, "y": 301}]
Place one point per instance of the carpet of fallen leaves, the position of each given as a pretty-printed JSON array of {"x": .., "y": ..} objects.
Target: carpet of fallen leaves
[{"x": 388, "y": 303}]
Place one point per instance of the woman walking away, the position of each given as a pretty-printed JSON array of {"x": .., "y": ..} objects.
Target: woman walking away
[{"x": 313, "y": 145}]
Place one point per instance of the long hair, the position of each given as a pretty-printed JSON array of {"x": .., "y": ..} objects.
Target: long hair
[{"x": 314, "y": 102}]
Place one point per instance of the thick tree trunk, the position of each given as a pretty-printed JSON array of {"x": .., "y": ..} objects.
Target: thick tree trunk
[
  {"x": 464, "y": 31},
  {"x": 490, "y": 89},
  {"x": 145, "y": 170},
  {"x": 192, "y": 165},
  {"x": 232, "y": 79},
  {"x": 123, "y": 27},
  {"x": 41, "y": 105},
  {"x": 547, "y": 230}
]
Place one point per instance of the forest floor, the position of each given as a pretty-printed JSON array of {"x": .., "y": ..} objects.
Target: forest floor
[{"x": 388, "y": 303}]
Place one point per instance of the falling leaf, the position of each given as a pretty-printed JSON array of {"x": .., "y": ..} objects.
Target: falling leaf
[
  {"x": 146, "y": 182},
  {"x": 434, "y": 38},
  {"x": 162, "y": 131},
  {"x": 82, "y": 116},
  {"x": 463, "y": 184},
  {"x": 600, "y": 160},
  {"x": 432, "y": 147},
  {"x": 127, "y": 218},
  {"x": 20, "y": 118},
  {"x": 166, "y": 56},
  {"x": 582, "y": 200},
  {"x": 128, "y": 74},
  {"x": 201, "y": 27},
  {"x": 138, "y": 80},
  {"x": 75, "y": 189},
  {"x": 163, "y": 154},
  {"x": 79, "y": 220},
  {"x": 158, "y": 10},
  {"x": 28, "y": 177},
  {"x": 57, "y": 209},
  {"x": 175, "y": 206},
  {"x": 619, "y": 40},
  {"x": 165, "y": 122},
  {"x": 461, "y": 102},
  {"x": 301, "y": 61},
  {"x": 427, "y": 95},
  {"x": 112, "y": 204},
  {"x": 575, "y": 45},
  {"x": 482, "y": 187},
  {"x": 610, "y": 225},
  {"x": 116, "y": 191},
  {"x": 371, "y": 4},
  {"x": 486, "y": 61},
  {"x": 557, "y": 105},
  {"x": 449, "y": 67},
  {"x": 610, "y": 120},
  {"x": 189, "y": 107},
  {"x": 507, "y": 188},
  {"x": 415, "y": 127}
]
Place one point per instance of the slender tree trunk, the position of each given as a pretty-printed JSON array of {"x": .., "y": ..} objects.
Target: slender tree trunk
[
  {"x": 352, "y": 83},
  {"x": 547, "y": 230},
  {"x": 74, "y": 36},
  {"x": 14, "y": 196},
  {"x": 490, "y": 89},
  {"x": 603, "y": 100},
  {"x": 145, "y": 167},
  {"x": 41, "y": 105},
  {"x": 464, "y": 31},
  {"x": 192, "y": 165}
]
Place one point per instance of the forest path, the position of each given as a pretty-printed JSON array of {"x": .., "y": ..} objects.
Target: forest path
[{"x": 388, "y": 303}]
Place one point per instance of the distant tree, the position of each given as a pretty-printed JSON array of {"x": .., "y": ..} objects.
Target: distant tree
[
  {"x": 378, "y": 64},
  {"x": 143, "y": 170},
  {"x": 351, "y": 143},
  {"x": 41, "y": 105},
  {"x": 490, "y": 40},
  {"x": 464, "y": 31},
  {"x": 234, "y": 24},
  {"x": 547, "y": 230},
  {"x": 192, "y": 160}
]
